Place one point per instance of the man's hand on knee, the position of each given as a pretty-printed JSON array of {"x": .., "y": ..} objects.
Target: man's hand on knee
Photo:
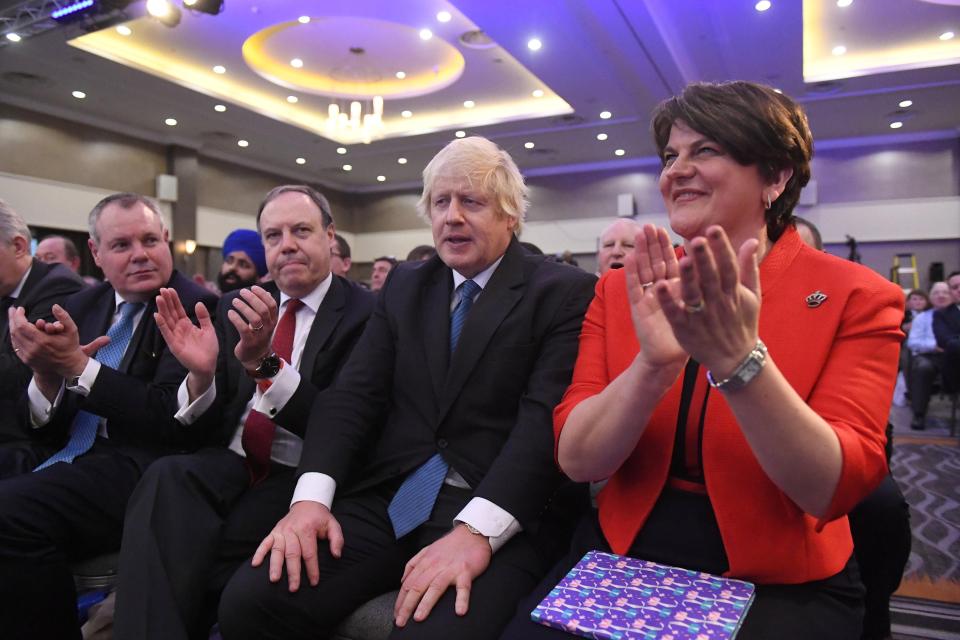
[
  {"x": 454, "y": 560},
  {"x": 294, "y": 540}
]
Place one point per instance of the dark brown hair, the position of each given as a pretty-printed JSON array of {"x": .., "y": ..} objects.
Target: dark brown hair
[{"x": 755, "y": 125}]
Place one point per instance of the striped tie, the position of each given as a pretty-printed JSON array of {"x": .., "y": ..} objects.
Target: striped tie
[
  {"x": 85, "y": 424},
  {"x": 414, "y": 500}
]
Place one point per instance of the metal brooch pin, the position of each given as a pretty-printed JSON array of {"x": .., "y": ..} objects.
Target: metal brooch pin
[{"x": 815, "y": 299}]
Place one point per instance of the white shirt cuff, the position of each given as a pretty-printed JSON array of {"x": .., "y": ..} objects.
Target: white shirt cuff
[
  {"x": 490, "y": 520},
  {"x": 282, "y": 387},
  {"x": 315, "y": 487},
  {"x": 87, "y": 378},
  {"x": 188, "y": 412},
  {"x": 41, "y": 409}
]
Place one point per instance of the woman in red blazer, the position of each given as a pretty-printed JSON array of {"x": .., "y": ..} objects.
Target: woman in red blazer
[{"x": 734, "y": 392}]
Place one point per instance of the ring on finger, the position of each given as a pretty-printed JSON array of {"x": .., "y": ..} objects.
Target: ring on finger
[
  {"x": 647, "y": 285},
  {"x": 695, "y": 308},
  {"x": 256, "y": 328}
]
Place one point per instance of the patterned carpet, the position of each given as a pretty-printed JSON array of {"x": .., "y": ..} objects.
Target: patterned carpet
[{"x": 926, "y": 465}]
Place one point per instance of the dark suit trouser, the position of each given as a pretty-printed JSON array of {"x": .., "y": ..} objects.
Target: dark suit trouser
[
  {"x": 191, "y": 521},
  {"x": 923, "y": 371},
  {"x": 64, "y": 512},
  {"x": 951, "y": 366},
  {"x": 372, "y": 563},
  {"x": 880, "y": 526},
  {"x": 830, "y": 609}
]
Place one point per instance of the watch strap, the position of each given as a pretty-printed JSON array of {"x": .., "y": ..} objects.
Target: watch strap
[{"x": 746, "y": 371}]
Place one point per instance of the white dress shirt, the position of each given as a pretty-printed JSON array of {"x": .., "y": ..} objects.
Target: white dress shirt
[
  {"x": 921, "y": 338},
  {"x": 287, "y": 446},
  {"x": 486, "y": 517},
  {"x": 41, "y": 409}
]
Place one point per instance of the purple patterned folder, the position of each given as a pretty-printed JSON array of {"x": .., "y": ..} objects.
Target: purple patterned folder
[{"x": 611, "y": 597}]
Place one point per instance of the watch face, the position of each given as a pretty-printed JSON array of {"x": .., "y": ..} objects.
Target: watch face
[{"x": 269, "y": 366}]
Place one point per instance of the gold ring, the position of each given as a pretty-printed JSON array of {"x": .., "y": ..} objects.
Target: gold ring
[
  {"x": 647, "y": 284},
  {"x": 695, "y": 308},
  {"x": 257, "y": 328},
  {"x": 16, "y": 349}
]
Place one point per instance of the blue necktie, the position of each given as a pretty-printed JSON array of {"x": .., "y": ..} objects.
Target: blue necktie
[
  {"x": 414, "y": 500},
  {"x": 85, "y": 424}
]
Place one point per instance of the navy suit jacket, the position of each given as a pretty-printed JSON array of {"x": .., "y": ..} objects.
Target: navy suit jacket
[
  {"x": 138, "y": 399},
  {"x": 400, "y": 399},
  {"x": 47, "y": 285},
  {"x": 946, "y": 326},
  {"x": 336, "y": 328}
]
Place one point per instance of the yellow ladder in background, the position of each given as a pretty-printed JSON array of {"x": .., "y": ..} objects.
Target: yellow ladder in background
[{"x": 909, "y": 268}]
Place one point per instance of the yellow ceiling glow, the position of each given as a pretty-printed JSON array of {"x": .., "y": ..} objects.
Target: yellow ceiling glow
[
  {"x": 349, "y": 75},
  {"x": 261, "y": 77},
  {"x": 904, "y": 44}
]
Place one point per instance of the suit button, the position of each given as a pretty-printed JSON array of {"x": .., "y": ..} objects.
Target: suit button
[{"x": 442, "y": 443}]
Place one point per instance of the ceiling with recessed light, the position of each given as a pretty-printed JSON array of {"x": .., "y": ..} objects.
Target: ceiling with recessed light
[{"x": 564, "y": 86}]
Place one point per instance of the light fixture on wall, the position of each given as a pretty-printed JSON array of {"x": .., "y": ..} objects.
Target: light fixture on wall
[{"x": 189, "y": 246}]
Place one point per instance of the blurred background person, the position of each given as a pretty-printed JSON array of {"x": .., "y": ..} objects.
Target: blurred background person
[
  {"x": 421, "y": 252},
  {"x": 926, "y": 358},
  {"x": 808, "y": 232},
  {"x": 244, "y": 263},
  {"x": 917, "y": 303},
  {"x": 382, "y": 267},
  {"x": 614, "y": 243},
  {"x": 53, "y": 249},
  {"x": 340, "y": 256}
]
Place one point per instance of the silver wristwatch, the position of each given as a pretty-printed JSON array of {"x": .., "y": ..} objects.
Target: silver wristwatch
[{"x": 745, "y": 371}]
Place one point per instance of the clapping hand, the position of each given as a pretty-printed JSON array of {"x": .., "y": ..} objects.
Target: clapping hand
[
  {"x": 195, "y": 347},
  {"x": 716, "y": 310},
  {"x": 652, "y": 264}
]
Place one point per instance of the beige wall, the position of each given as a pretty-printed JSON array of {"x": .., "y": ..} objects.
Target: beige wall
[
  {"x": 45, "y": 147},
  {"x": 229, "y": 187}
]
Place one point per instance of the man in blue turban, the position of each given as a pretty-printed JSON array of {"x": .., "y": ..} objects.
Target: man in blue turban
[{"x": 243, "y": 261}]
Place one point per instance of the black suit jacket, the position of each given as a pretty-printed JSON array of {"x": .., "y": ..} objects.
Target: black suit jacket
[
  {"x": 946, "y": 327},
  {"x": 336, "y": 328},
  {"x": 139, "y": 398},
  {"x": 47, "y": 285},
  {"x": 400, "y": 399}
]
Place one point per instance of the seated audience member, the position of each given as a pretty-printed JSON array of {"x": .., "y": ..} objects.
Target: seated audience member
[
  {"x": 421, "y": 253},
  {"x": 433, "y": 449},
  {"x": 102, "y": 408},
  {"x": 925, "y": 355},
  {"x": 808, "y": 232},
  {"x": 382, "y": 267},
  {"x": 614, "y": 243},
  {"x": 54, "y": 249},
  {"x": 340, "y": 257},
  {"x": 194, "y": 518},
  {"x": 35, "y": 287},
  {"x": 946, "y": 327},
  {"x": 243, "y": 261},
  {"x": 917, "y": 303},
  {"x": 879, "y": 524},
  {"x": 732, "y": 445}
]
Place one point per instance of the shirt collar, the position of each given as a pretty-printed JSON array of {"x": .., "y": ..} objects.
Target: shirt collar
[
  {"x": 481, "y": 278},
  {"x": 16, "y": 292},
  {"x": 313, "y": 299}
]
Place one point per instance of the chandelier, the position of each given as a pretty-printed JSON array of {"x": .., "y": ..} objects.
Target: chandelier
[{"x": 363, "y": 119}]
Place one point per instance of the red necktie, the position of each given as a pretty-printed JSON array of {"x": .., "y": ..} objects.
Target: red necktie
[{"x": 258, "y": 429}]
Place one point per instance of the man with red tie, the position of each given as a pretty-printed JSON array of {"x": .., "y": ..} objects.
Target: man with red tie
[{"x": 194, "y": 518}]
